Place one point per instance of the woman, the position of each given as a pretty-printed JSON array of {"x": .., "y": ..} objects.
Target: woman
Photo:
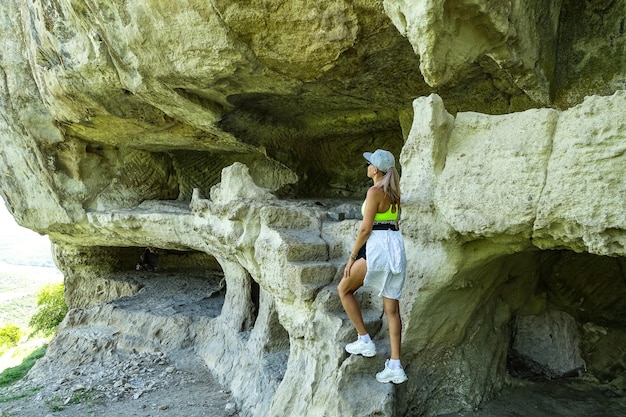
[{"x": 381, "y": 263}]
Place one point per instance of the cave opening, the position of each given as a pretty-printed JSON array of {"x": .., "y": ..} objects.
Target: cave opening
[
  {"x": 275, "y": 355},
  {"x": 255, "y": 294},
  {"x": 569, "y": 315},
  {"x": 189, "y": 283},
  {"x": 157, "y": 280}
]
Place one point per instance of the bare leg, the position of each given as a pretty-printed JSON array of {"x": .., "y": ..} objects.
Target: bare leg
[
  {"x": 346, "y": 289},
  {"x": 392, "y": 311}
]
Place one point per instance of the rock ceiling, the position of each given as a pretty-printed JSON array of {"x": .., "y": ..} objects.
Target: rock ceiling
[{"x": 296, "y": 89}]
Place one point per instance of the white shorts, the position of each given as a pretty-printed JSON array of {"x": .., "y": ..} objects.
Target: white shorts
[{"x": 386, "y": 263}]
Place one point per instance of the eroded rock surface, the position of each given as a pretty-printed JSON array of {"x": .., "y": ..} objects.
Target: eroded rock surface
[{"x": 227, "y": 138}]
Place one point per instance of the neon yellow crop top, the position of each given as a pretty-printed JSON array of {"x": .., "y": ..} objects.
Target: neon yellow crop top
[{"x": 383, "y": 217}]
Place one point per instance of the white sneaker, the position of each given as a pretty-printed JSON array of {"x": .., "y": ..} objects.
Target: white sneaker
[
  {"x": 361, "y": 348},
  {"x": 397, "y": 376}
]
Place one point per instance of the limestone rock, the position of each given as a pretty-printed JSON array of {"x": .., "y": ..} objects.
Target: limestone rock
[
  {"x": 490, "y": 182},
  {"x": 461, "y": 215},
  {"x": 604, "y": 348},
  {"x": 519, "y": 37},
  {"x": 238, "y": 185},
  {"x": 587, "y": 197},
  {"x": 228, "y": 136},
  {"x": 549, "y": 345}
]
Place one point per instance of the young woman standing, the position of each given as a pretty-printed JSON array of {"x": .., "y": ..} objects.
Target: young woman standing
[{"x": 378, "y": 259}]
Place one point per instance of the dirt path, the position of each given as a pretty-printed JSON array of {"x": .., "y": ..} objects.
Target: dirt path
[{"x": 143, "y": 385}]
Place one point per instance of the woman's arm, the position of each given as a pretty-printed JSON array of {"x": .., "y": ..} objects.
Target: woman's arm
[{"x": 372, "y": 200}]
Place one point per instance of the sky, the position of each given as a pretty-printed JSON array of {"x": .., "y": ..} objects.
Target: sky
[
  {"x": 7, "y": 223},
  {"x": 21, "y": 246}
]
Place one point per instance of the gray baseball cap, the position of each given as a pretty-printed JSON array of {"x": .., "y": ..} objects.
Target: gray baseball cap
[{"x": 381, "y": 159}]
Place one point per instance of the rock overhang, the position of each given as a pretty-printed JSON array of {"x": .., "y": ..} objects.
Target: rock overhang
[{"x": 119, "y": 111}]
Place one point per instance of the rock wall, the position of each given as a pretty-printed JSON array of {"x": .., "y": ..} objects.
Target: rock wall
[
  {"x": 228, "y": 138},
  {"x": 485, "y": 251}
]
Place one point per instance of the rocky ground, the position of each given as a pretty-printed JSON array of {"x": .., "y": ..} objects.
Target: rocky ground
[
  {"x": 142, "y": 385},
  {"x": 148, "y": 385},
  {"x": 565, "y": 398}
]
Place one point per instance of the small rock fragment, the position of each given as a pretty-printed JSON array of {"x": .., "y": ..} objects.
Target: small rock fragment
[{"x": 230, "y": 409}]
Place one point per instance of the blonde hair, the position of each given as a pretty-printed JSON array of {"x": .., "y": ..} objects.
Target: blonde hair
[{"x": 390, "y": 184}]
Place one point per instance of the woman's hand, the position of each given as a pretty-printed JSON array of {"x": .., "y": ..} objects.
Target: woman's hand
[{"x": 346, "y": 271}]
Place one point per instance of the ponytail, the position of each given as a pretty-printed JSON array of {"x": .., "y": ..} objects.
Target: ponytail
[{"x": 390, "y": 184}]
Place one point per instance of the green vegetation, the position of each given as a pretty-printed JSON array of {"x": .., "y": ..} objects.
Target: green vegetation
[
  {"x": 44, "y": 319},
  {"x": 78, "y": 397},
  {"x": 18, "y": 310},
  {"x": 52, "y": 309},
  {"x": 9, "y": 336},
  {"x": 11, "y": 375},
  {"x": 4, "y": 399}
]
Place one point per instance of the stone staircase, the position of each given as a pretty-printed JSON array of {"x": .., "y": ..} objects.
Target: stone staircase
[{"x": 317, "y": 258}]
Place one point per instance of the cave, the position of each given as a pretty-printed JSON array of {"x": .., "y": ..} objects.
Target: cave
[
  {"x": 161, "y": 281},
  {"x": 570, "y": 318}
]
